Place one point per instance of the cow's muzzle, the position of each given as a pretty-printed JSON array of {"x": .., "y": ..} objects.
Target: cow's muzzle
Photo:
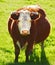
[{"x": 25, "y": 32}]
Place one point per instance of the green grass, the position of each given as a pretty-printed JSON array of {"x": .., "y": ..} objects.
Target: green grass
[{"x": 6, "y": 44}]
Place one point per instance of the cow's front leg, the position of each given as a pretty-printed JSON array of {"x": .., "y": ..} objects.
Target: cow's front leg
[
  {"x": 28, "y": 51},
  {"x": 17, "y": 51}
]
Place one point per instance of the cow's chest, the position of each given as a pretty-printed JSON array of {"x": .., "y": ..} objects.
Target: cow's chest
[{"x": 21, "y": 46}]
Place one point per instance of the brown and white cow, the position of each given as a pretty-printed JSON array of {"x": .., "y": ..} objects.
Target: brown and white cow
[{"x": 28, "y": 24}]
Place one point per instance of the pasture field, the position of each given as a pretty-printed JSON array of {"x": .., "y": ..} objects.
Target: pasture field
[{"x": 39, "y": 56}]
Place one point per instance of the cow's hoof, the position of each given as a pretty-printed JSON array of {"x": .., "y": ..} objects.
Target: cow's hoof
[
  {"x": 27, "y": 60},
  {"x": 15, "y": 61}
]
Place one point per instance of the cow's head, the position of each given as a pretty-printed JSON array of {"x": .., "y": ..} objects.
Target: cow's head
[{"x": 24, "y": 18}]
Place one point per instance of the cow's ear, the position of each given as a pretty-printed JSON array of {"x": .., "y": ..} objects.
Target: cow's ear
[
  {"x": 15, "y": 15},
  {"x": 42, "y": 12}
]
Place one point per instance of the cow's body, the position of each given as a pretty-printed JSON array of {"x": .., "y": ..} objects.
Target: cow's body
[{"x": 38, "y": 32}]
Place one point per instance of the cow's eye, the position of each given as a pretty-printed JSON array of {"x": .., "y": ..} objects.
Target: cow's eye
[
  {"x": 15, "y": 15},
  {"x": 34, "y": 15}
]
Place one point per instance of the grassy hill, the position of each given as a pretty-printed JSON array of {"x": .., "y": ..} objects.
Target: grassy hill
[{"x": 6, "y": 44}]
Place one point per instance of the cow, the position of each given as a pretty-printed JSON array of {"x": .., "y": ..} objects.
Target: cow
[{"x": 28, "y": 25}]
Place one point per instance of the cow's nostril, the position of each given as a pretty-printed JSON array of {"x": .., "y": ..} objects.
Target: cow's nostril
[{"x": 24, "y": 32}]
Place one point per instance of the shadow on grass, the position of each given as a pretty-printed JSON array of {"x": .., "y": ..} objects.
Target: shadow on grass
[
  {"x": 5, "y": 50},
  {"x": 24, "y": 63},
  {"x": 34, "y": 60},
  {"x": 44, "y": 60}
]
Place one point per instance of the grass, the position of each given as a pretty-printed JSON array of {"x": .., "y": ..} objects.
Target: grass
[{"x": 44, "y": 57}]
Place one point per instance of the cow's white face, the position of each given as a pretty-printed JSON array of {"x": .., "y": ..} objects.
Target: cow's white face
[{"x": 24, "y": 24}]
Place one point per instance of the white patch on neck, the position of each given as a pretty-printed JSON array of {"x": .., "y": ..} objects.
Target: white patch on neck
[
  {"x": 18, "y": 44},
  {"x": 24, "y": 46}
]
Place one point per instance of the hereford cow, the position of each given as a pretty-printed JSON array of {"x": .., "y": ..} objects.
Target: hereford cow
[{"x": 26, "y": 26}]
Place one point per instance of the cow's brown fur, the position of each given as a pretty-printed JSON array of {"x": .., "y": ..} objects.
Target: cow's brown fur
[{"x": 39, "y": 31}]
